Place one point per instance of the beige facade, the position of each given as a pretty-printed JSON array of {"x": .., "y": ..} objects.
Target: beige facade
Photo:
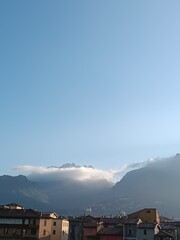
[
  {"x": 19, "y": 223},
  {"x": 53, "y": 228}
]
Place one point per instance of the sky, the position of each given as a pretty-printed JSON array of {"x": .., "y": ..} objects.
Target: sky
[{"x": 89, "y": 82}]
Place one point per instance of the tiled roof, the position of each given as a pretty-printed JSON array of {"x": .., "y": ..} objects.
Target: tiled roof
[
  {"x": 132, "y": 221},
  {"x": 167, "y": 225},
  {"x": 90, "y": 224},
  {"x": 49, "y": 215},
  {"x": 163, "y": 233},
  {"x": 14, "y": 205},
  {"x": 147, "y": 225},
  {"x": 18, "y": 213},
  {"x": 111, "y": 231},
  {"x": 84, "y": 219},
  {"x": 112, "y": 221}
]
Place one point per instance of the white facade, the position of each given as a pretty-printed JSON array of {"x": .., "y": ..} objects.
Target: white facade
[{"x": 147, "y": 232}]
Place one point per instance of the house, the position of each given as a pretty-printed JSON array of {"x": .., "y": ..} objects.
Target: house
[
  {"x": 111, "y": 222},
  {"x": 89, "y": 229},
  {"x": 130, "y": 228},
  {"x": 75, "y": 228},
  {"x": 147, "y": 231},
  {"x": 13, "y": 206},
  {"x": 163, "y": 235},
  {"x": 168, "y": 227},
  {"x": 19, "y": 223},
  {"x": 147, "y": 215},
  {"x": 111, "y": 233},
  {"x": 53, "y": 227},
  {"x": 83, "y": 228}
]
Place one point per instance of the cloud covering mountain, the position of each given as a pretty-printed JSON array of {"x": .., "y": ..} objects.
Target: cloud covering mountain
[
  {"x": 73, "y": 172},
  {"x": 155, "y": 185},
  {"x": 70, "y": 188}
]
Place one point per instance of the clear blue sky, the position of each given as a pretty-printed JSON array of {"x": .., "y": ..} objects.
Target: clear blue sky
[{"x": 92, "y": 82}]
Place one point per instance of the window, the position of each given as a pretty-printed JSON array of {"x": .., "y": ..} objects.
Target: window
[
  {"x": 24, "y": 232},
  {"x": 54, "y": 232},
  {"x": 130, "y": 232},
  {"x": 44, "y": 232},
  {"x": 145, "y": 232},
  {"x": 72, "y": 231},
  {"x": 14, "y": 232},
  {"x": 54, "y": 223},
  {"x": 11, "y": 221},
  {"x": 34, "y": 222},
  {"x": 26, "y": 221},
  {"x": 6, "y": 231},
  {"x": 33, "y": 231},
  {"x": 45, "y": 222},
  {"x": 148, "y": 211}
]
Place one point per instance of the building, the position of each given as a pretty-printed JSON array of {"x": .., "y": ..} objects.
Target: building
[
  {"x": 130, "y": 228},
  {"x": 111, "y": 233},
  {"x": 147, "y": 231},
  {"x": 163, "y": 235},
  {"x": 147, "y": 215},
  {"x": 83, "y": 228},
  {"x": 142, "y": 225},
  {"x": 19, "y": 223}
]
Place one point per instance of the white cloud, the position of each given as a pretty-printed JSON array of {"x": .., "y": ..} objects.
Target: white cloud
[
  {"x": 118, "y": 174},
  {"x": 79, "y": 173},
  {"x": 72, "y": 173}
]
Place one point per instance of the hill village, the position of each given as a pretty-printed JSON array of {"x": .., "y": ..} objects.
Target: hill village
[{"x": 16, "y": 222}]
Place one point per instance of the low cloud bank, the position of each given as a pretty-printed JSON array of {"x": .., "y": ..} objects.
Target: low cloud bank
[{"x": 73, "y": 172}]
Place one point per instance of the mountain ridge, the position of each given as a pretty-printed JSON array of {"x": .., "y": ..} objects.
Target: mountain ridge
[{"x": 155, "y": 185}]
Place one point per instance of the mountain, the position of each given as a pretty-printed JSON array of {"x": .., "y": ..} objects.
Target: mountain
[
  {"x": 70, "y": 165},
  {"x": 73, "y": 197},
  {"x": 22, "y": 191},
  {"x": 66, "y": 197},
  {"x": 156, "y": 186}
]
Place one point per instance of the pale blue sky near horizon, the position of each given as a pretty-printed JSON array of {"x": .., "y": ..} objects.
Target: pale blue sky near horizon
[{"x": 90, "y": 82}]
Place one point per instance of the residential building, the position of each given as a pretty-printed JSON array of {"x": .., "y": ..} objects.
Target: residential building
[
  {"x": 52, "y": 227},
  {"x": 163, "y": 235},
  {"x": 147, "y": 231},
  {"x": 168, "y": 227},
  {"x": 111, "y": 233},
  {"x": 147, "y": 215},
  {"x": 130, "y": 228},
  {"x": 83, "y": 228},
  {"x": 19, "y": 223}
]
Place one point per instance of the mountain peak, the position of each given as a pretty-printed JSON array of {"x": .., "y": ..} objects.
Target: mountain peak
[{"x": 71, "y": 165}]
